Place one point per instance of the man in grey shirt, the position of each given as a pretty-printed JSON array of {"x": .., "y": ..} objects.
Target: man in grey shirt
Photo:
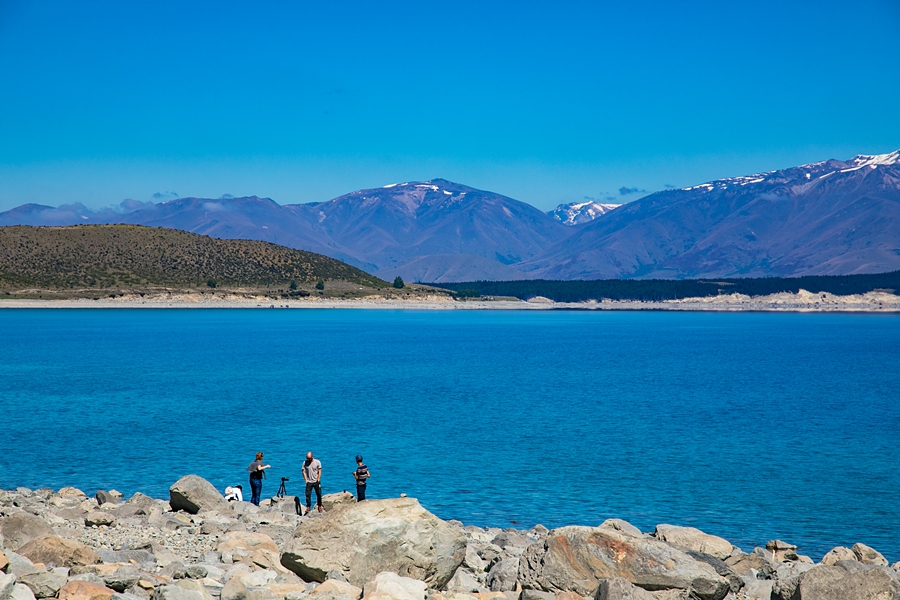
[{"x": 312, "y": 474}]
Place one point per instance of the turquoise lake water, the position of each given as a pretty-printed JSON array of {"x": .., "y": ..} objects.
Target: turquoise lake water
[{"x": 750, "y": 426}]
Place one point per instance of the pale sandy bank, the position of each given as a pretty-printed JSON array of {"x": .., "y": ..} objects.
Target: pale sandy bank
[{"x": 784, "y": 302}]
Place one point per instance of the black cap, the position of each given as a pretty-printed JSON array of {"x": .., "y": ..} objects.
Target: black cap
[{"x": 359, "y": 458}]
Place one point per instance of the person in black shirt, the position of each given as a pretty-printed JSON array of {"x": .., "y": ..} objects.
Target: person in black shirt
[
  {"x": 257, "y": 472},
  {"x": 361, "y": 474}
]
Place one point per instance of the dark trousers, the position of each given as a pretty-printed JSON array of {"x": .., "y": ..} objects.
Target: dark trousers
[
  {"x": 256, "y": 489},
  {"x": 360, "y": 492},
  {"x": 309, "y": 488}
]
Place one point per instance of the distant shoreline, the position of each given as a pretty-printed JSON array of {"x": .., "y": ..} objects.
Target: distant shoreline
[{"x": 872, "y": 302}]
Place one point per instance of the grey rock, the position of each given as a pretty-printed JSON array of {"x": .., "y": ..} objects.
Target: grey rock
[
  {"x": 463, "y": 581},
  {"x": 489, "y": 554},
  {"x": 291, "y": 505},
  {"x": 125, "y": 596},
  {"x": 7, "y": 583},
  {"x": 211, "y": 557},
  {"x": 837, "y": 554},
  {"x": 734, "y": 581},
  {"x": 758, "y": 589},
  {"x": 507, "y": 540},
  {"x": 332, "y": 501},
  {"x": 835, "y": 583},
  {"x": 577, "y": 558},
  {"x": 504, "y": 575},
  {"x": 398, "y": 588},
  {"x": 623, "y": 526},
  {"x": 192, "y": 494},
  {"x": 336, "y": 575},
  {"x": 21, "y": 592},
  {"x": 196, "y": 571},
  {"x": 618, "y": 588},
  {"x": 98, "y": 517},
  {"x": 472, "y": 560},
  {"x": 235, "y": 590},
  {"x": 42, "y": 584},
  {"x": 741, "y": 563},
  {"x": 868, "y": 555},
  {"x": 174, "y": 592},
  {"x": 104, "y": 497},
  {"x": 18, "y": 564},
  {"x": 694, "y": 539},
  {"x": 20, "y": 528},
  {"x": 367, "y": 538},
  {"x": 537, "y": 595},
  {"x": 89, "y": 577},
  {"x": 138, "y": 592},
  {"x": 142, "y": 557},
  {"x": 122, "y": 579},
  {"x": 75, "y": 515},
  {"x": 174, "y": 570}
]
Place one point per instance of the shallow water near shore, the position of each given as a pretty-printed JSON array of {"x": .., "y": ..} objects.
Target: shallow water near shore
[{"x": 749, "y": 426}]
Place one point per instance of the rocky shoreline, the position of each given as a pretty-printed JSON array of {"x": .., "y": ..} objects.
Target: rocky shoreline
[
  {"x": 196, "y": 546},
  {"x": 803, "y": 301}
]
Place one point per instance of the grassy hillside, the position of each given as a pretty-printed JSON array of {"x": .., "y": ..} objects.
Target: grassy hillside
[
  {"x": 670, "y": 289},
  {"x": 131, "y": 257}
]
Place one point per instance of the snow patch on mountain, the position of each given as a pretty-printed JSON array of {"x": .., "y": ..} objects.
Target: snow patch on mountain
[{"x": 576, "y": 213}]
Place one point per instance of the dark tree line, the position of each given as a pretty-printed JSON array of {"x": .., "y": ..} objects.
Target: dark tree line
[{"x": 673, "y": 289}]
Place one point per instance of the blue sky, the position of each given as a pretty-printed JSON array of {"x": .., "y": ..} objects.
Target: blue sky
[{"x": 546, "y": 102}]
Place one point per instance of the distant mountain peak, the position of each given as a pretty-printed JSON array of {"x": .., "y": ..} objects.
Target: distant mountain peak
[
  {"x": 872, "y": 160},
  {"x": 576, "y": 213}
]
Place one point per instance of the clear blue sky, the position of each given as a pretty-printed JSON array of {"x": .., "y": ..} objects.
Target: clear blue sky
[{"x": 545, "y": 102}]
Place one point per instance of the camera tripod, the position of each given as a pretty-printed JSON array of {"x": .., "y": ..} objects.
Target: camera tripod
[{"x": 281, "y": 493}]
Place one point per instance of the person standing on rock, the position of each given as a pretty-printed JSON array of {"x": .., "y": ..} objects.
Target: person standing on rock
[
  {"x": 257, "y": 472},
  {"x": 312, "y": 474},
  {"x": 361, "y": 474}
]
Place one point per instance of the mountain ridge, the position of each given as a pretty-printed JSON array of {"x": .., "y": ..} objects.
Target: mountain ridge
[{"x": 827, "y": 217}]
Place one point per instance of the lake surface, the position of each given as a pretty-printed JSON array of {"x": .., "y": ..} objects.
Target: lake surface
[{"x": 750, "y": 426}]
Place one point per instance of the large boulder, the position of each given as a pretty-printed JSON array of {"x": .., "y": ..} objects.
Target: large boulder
[
  {"x": 42, "y": 584},
  {"x": 234, "y": 590},
  {"x": 839, "y": 583},
  {"x": 577, "y": 558},
  {"x": 20, "y": 528},
  {"x": 59, "y": 551},
  {"x": 246, "y": 541},
  {"x": 192, "y": 494},
  {"x": 694, "y": 539},
  {"x": 364, "y": 539},
  {"x": 21, "y": 592},
  {"x": 175, "y": 592},
  {"x": 868, "y": 555},
  {"x": 104, "y": 497},
  {"x": 742, "y": 563},
  {"x": 618, "y": 588},
  {"x": 332, "y": 501},
  {"x": 84, "y": 590},
  {"x": 399, "y": 588},
  {"x": 335, "y": 589},
  {"x": 7, "y": 583},
  {"x": 838, "y": 553},
  {"x": 504, "y": 575}
]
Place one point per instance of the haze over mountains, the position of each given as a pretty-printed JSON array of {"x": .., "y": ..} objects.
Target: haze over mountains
[{"x": 827, "y": 218}]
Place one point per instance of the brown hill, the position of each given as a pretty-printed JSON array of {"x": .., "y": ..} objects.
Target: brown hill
[{"x": 130, "y": 257}]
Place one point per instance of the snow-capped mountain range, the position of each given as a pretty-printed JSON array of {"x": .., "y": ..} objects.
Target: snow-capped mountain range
[{"x": 829, "y": 217}]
